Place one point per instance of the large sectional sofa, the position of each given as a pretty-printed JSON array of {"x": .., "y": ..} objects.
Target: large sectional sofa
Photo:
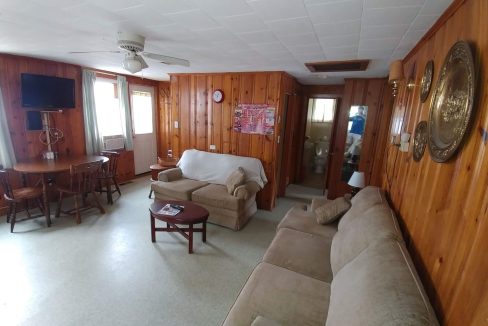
[
  {"x": 354, "y": 272},
  {"x": 202, "y": 178}
]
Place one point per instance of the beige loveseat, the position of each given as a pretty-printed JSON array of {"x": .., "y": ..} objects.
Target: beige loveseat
[
  {"x": 355, "y": 272},
  {"x": 201, "y": 177}
]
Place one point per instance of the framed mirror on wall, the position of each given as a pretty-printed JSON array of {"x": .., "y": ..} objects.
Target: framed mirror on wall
[{"x": 354, "y": 140}]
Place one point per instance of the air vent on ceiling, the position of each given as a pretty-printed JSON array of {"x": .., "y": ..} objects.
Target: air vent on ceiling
[{"x": 333, "y": 66}]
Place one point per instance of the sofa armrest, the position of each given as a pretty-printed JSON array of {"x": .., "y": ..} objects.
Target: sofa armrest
[
  {"x": 247, "y": 190},
  {"x": 170, "y": 175}
]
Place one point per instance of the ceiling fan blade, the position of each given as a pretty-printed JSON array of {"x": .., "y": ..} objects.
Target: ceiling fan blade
[
  {"x": 77, "y": 52},
  {"x": 166, "y": 59}
]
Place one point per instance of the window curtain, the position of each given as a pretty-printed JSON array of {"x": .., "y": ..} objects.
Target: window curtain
[
  {"x": 123, "y": 92},
  {"x": 7, "y": 155},
  {"x": 92, "y": 136}
]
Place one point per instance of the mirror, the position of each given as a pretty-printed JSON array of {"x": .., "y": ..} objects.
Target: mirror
[{"x": 354, "y": 140}]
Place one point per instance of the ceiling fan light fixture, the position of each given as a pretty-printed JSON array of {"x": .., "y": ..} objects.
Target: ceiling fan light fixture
[{"x": 132, "y": 65}]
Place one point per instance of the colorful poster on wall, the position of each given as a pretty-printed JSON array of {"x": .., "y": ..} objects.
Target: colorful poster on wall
[{"x": 254, "y": 119}]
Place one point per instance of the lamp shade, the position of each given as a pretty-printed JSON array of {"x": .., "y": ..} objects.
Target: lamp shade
[
  {"x": 357, "y": 180},
  {"x": 396, "y": 71},
  {"x": 132, "y": 65}
]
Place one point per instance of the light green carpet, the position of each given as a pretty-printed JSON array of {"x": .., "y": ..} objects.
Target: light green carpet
[{"x": 106, "y": 271}]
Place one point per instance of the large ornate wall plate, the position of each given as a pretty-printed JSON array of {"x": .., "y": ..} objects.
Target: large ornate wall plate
[
  {"x": 419, "y": 140},
  {"x": 426, "y": 82},
  {"x": 452, "y": 103}
]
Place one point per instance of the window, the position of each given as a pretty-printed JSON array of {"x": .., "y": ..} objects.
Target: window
[
  {"x": 323, "y": 110},
  {"x": 109, "y": 117},
  {"x": 142, "y": 112}
]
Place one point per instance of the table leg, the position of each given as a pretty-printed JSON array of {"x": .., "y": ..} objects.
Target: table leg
[
  {"x": 204, "y": 232},
  {"x": 190, "y": 239},
  {"x": 153, "y": 228},
  {"x": 47, "y": 210}
]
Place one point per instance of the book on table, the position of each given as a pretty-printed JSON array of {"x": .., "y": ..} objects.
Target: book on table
[{"x": 170, "y": 210}]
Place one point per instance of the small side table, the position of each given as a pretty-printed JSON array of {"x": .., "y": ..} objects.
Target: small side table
[{"x": 162, "y": 165}]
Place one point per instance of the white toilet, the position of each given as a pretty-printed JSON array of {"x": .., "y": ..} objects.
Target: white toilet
[{"x": 321, "y": 153}]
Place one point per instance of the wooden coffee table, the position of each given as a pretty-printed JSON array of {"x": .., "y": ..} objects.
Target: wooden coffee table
[{"x": 192, "y": 214}]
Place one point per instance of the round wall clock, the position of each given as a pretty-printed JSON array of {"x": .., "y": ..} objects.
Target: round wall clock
[
  {"x": 218, "y": 96},
  {"x": 419, "y": 140},
  {"x": 426, "y": 82}
]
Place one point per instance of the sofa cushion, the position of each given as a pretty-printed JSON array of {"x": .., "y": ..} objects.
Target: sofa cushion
[
  {"x": 287, "y": 297},
  {"x": 235, "y": 179},
  {"x": 379, "y": 288},
  {"x": 217, "y": 196},
  {"x": 378, "y": 222},
  {"x": 302, "y": 220},
  {"x": 304, "y": 253},
  {"x": 178, "y": 189},
  {"x": 332, "y": 210},
  {"x": 364, "y": 199}
]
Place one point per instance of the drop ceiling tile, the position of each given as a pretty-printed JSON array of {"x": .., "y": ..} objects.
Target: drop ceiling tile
[
  {"x": 341, "y": 53},
  {"x": 374, "y": 54},
  {"x": 268, "y": 48},
  {"x": 219, "y": 8},
  {"x": 339, "y": 41},
  {"x": 143, "y": 16},
  {"x": 335, "y": 12},
  {"x": 169, "y": 6},
  {"x": 216, "y": 34},
  {"x": 258, "y": 37},
  {"x": 393, "y": 3},
  {"x": 424, "y": 22},
  {"x": 270, "y": 10},
  {"x": 243, "y": 23},
  {"x": 298, "y": 39},
  {"x": 339, "y": 28},
  {"x": 114, "y": 5},
  {"x": 382, "y": 31},
  {"x": 175, "y": 32},
  {"x": 94, "y": 13},
  {"x": 301, "y": 25},
  {"x": 390, "y": 16},
  {"x": 311, "y": 48},
  {"x": 381, "y": 43},
  {"x": 435, "y": 7},
  {"x": 193, "y": 20},
  {"x": 310, "y": 57}
]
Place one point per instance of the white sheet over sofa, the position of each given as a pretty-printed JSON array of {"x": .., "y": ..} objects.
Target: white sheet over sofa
[{"x": 215, "y": 168}]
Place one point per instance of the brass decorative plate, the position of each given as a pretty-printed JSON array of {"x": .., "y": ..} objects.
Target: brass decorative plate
[
  {"x": 419, "y": 140},
  {"x": 426, "y": 82},
  {"x": 452, "y": 102}
]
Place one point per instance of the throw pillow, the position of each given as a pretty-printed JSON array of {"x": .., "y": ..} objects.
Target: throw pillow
[
  {"x": 235, "y": 179},
  {"x": 332, "y": 210}
]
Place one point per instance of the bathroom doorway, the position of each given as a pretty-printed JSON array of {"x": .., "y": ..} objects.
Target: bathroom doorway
[{"x": 318, "y": 133}]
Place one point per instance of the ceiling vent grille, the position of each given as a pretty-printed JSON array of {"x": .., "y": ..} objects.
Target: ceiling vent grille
[{"x": 336, "y": 66}]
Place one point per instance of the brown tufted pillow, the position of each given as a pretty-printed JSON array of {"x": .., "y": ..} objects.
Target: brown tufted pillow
[
  {"x": 235, "y": 179},
  {"x": 332, "y": 210}
]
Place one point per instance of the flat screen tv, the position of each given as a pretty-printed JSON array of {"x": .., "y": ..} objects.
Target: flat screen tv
[{"x": 47, "y": 92}]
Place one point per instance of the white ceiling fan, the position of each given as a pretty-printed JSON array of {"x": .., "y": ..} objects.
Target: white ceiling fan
[{"x": 134, "y": 45}]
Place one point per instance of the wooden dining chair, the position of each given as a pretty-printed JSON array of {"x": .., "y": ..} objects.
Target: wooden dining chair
[
  {"x": 81, "y": 184},
  {"x": 108, "y": 175},
  {"x": 19, "y": 196}
]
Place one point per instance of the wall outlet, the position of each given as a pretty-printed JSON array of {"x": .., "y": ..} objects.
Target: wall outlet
[
  {"x": 176, "y": 124},
  {"x": 212, "y": 147}
]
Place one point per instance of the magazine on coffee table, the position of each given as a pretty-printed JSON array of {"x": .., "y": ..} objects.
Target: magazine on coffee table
[{"x": 170, "y": 210}]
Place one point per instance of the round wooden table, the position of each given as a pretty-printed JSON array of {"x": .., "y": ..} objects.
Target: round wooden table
[
  {"x": 45, "y": 167},
  {"x": 191, "y": 214},
  {"x": 162, "y": 165}
]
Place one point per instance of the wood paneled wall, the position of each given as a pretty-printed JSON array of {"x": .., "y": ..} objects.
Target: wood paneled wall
[
  {"x": 202, "y": 122},
  {"x": 443, "y": 207},
  {"x": 375, "y": 94}
]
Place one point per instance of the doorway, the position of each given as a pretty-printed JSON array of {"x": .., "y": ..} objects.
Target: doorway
[
  {"x": 319, "y": 127},
  {"x": 143, "y": 121}
]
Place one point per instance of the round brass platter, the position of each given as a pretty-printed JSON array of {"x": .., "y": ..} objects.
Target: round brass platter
[
  {"x": 426, "y": 82},
  {"x": 452, "y": 103},
  {"x": 419, "y": 140}
]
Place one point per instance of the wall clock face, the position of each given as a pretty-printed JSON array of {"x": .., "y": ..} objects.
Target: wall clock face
[{"x": 218, "y": 96}]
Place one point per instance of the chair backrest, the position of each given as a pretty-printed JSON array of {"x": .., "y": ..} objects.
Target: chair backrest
[
  {"x": 7, "y": 188},
  {"x": 82, "y": 176},
  {"x": 111, "y": 165}
]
